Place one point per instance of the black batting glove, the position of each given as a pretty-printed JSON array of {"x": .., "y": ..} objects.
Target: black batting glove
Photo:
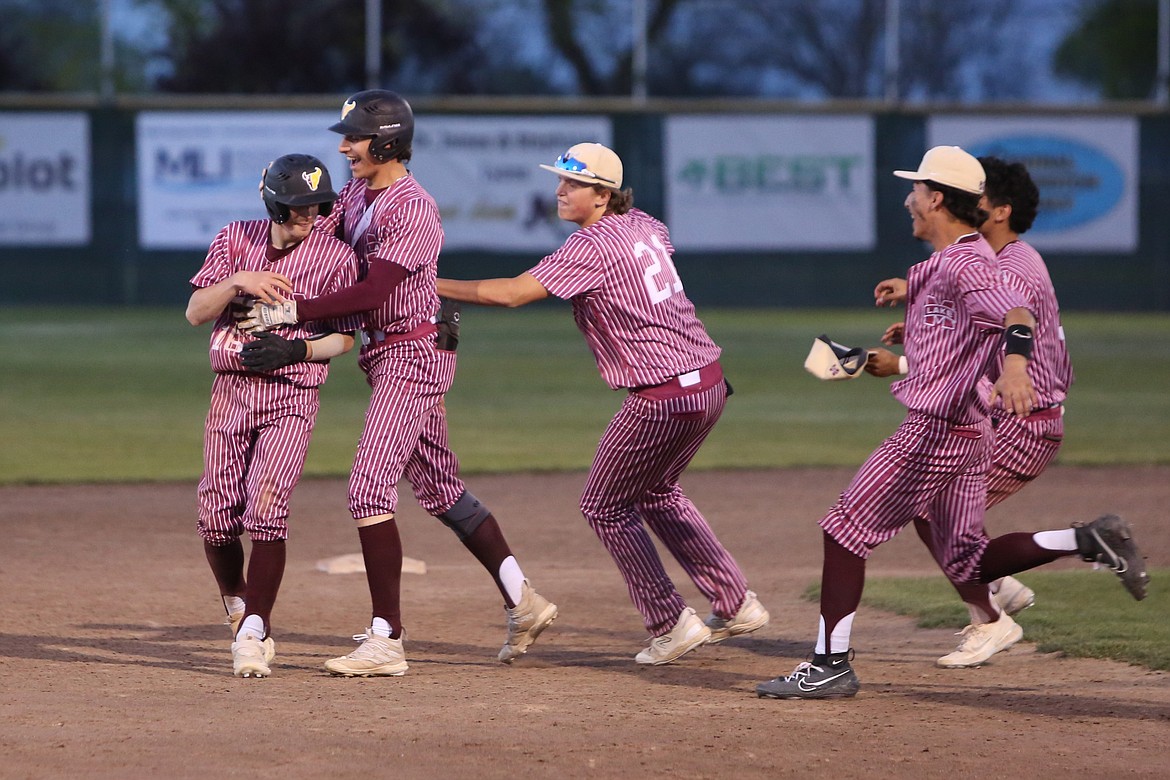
[{"x": 270, "y": 352}]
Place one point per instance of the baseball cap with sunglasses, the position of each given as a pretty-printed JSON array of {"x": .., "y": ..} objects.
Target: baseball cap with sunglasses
[{"x": 590, "y": 163}]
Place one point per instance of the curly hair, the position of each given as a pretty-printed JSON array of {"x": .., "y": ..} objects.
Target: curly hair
[
  {"x": 964, "y": 206},
  {"x": 1010, "y": 184},
  {"x": 620, "y": 201}
]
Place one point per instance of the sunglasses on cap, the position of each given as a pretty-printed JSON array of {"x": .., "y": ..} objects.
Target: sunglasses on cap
[{"x": 573, "y": 165}]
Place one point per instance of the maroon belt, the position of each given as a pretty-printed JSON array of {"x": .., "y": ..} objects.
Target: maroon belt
[
  {"x": 684, "y": 384},
  {"x": 1047, "y": 413},
  {"x": 371, "y": 337}
]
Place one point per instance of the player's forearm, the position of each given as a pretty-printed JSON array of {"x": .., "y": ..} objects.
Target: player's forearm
[
  {"x": 329, "y": 346},
  {"x": 368, "y": 294},
  {"x": 207, "y": 303},
  {"x": 511, "y": 293}
]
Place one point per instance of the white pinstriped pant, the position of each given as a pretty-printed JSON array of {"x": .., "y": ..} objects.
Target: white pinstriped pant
[
  {"x": 927, "y": 468},
  {"x": 1023, "y": 449},
  {"x": 405, "y": 432},
  {"x": 634, "y": 479},
  {"x": 254, "y": 446}
]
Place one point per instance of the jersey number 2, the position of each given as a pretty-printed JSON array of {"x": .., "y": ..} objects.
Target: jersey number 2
[{"x": 659, "y": 261}]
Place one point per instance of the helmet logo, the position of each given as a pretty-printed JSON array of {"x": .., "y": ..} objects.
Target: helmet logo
[
  {"x": 346, "y": 107},
  {"x": 312, "y": 178}
]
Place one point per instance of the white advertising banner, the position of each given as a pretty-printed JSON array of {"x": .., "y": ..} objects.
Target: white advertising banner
[
  {"x": 1086, "y": 169},
  {"x": 763, "y": 182},
  {"x": 484, "y": 173},
  {"x": 200, "y": 170},
  {"x": 44, "y": 179}
]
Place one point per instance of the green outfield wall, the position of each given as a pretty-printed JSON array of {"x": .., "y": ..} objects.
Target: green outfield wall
[{"x": 113, "y": 268}]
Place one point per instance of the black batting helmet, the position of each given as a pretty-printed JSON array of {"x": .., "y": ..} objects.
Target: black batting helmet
[
  {"x": 382, "y": 116},
  {"x": 296, "y": 180}
]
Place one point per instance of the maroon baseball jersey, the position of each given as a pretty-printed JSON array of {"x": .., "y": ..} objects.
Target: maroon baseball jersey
[
  {"x": 628, "y": 300},
  {"x": 955, "y": 307},
  {"x": 401, "y": 224},
  {"x": 318, "y": 265},
  {"x": 1050, "y": 369}
]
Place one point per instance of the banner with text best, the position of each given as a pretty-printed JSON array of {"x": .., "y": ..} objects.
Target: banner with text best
[{"x": 766, "y": 183}]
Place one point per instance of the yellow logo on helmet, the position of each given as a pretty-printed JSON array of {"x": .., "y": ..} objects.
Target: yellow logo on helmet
[
  {"x": 312, "y": 178},
  {"x": 346, "y": 107}
]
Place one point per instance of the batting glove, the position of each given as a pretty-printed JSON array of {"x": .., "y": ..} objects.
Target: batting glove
[
  {"x": 266, "y": 316},
  {"x": 270, "y": 352}
]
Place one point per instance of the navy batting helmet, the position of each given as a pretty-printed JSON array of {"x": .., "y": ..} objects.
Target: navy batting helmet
[
  {"x": 296, "y": 180},
  {"x": 382, "y": 116}
]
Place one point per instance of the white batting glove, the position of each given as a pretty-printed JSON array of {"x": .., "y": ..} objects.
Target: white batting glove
[{"x": 266, "y": 316}]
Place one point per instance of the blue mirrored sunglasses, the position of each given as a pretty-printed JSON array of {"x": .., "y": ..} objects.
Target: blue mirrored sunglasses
[{"x": 567, "y": 163}]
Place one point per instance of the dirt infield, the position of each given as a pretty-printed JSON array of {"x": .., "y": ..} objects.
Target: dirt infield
[{"x": 114, "y": 664}]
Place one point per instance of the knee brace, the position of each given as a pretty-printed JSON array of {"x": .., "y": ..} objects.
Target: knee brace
[{"x": 465, "y": 515}]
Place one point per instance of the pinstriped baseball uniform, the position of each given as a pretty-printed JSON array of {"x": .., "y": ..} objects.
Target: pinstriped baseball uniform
[
  {"x": 405, "y": 430},
  {"x": 629, "y": 303},
  {"x": 1024, "y": 446},
  {"x": 935, "y": 464},
  {"x": 259, "y": 424}
]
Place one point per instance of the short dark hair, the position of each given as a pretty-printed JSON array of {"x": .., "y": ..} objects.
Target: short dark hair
[
  {"x": 620, "y": 201},
  {"x": 1010, "y": 184},
  {"x": 964, "y": 206}
]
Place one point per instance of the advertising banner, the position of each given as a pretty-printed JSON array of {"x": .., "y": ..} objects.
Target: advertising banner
[
  {"x": 44, "y": 179},
  {"x": 484, "y": 173},
  {"x": 199, "y": 170},
  {"x": 766, "y": 183},
  {"x": 1086, "y": 169}
]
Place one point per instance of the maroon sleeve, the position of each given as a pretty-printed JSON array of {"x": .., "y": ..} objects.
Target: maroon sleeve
[{"x": 368, "y": 294}]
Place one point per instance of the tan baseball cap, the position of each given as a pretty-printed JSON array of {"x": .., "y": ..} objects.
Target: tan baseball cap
[
  {"x": 951, "y": 166},
  {"x": 590, "y": 163}
]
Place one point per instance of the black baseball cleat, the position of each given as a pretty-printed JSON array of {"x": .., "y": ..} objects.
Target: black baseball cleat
[
  {"x": 826, "y": 676},
  {"x": 1108, "y": 540}
]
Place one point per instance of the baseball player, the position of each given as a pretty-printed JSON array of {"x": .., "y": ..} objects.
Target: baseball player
[
  {"x": 262, "y": 415},
  {"x": 935, "y": 465},
  {"x": 393, "y": 224},
  {"x": 629, "y": 303},
  {"x": 1024, "y": 446}
]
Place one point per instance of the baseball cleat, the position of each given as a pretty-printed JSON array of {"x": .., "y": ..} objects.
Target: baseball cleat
[
  {"x": 1108, "y": 540},
  {"x": 826, "y": 676},
  {"x": 982, "y": 641},
  {"x": 688, "y": 633},
  {"x": 526, "y": 621},
  {"x": 376, "y": 656},
  {"x": 1013, "y": 596},
  {"x": 751, "y": 617},
  {"x": 251, "y": 656}
]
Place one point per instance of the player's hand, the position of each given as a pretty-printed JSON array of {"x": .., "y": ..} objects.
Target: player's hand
[
  {"x": 266, "y": 286},
  {"x": 894, "y": 334},
  {"x": 1014, "y": 387},
  {"x": 889, "y": 292},
  {"x": 881, "y": 362},
  {"x": 266, "y": 316},
  {"x": 270, "y": 352}
]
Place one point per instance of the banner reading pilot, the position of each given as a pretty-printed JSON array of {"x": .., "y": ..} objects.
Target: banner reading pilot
[{"x": 44, "y": 179}]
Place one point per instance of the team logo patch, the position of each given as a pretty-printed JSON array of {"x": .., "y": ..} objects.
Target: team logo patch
[
  {"x": 346, "y": 107},
  {"x": 312, "y": 178},
  {"x": 939, "y": 314}
]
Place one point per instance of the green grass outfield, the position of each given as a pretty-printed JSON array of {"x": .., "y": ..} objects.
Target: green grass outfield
[{"x": 120, "y": 394}]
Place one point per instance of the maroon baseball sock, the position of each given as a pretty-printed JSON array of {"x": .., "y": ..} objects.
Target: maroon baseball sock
[
  {"x": 382, "y": 553},
  {"x": 842, "y": 580},
  {"x": 973, "y": 594},
  {"x": 227, "y": 566},
  {"x": 489, "y": 547},
  {"x": 1013, "y": 553},
  {"x": 265, "y": 571}
]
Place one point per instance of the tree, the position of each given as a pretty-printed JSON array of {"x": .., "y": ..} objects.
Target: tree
[
  {"x": 1114, "y": 48},
  {"x": 274, "y": 46},
  {"x": 48, "y": 45}
]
